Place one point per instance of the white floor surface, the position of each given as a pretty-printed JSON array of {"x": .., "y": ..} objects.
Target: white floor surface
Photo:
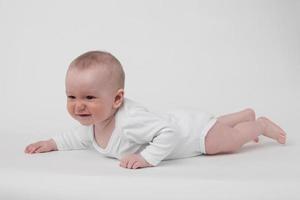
[{"x": 259, "y": 171}]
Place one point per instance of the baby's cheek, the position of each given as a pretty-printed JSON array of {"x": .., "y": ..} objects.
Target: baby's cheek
[
  {"x": 70, "y": 108},
  {"x": 98, "y": 111}
]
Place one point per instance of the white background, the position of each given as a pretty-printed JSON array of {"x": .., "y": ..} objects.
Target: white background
[{"x": 219, "y": 56}]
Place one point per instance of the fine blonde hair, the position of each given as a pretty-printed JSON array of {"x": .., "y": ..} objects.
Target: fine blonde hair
[{"x": 101, "y": 59}]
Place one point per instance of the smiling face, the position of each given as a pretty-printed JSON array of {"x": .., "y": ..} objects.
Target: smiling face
[{"x": 92, "y": 96}]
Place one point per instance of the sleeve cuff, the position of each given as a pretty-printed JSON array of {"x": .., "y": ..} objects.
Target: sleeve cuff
[
  {"x": 58, "y": 144},
  {"x": 149, "y": 158}
]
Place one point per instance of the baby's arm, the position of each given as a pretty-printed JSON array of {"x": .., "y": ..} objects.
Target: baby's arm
[
  {"x": 160, "y": 145},
  {"x": 41, "y": 147},
  {"x": 77, "y": 138},
  {"x": 159, "y": 135}
]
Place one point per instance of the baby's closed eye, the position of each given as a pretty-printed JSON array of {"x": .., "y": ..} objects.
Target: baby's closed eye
[
  {"x": 90, "y": 97},
  {"x": 71, "y": 97}
]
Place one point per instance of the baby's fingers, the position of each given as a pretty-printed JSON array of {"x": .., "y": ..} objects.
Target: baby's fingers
[
  {"x": 41, "y": 149},
  {"x": 131, "y": 163},
  {"x": 32, "y": 148},
  {"x": 136, "y": 165},
  {"x": 28, "y": 148}
]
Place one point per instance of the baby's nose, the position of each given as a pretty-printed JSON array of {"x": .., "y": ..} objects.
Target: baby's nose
[{"x": 80, "y": 106}]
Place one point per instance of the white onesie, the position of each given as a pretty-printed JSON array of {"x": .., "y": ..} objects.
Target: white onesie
[{"x": 157, "y": 137}]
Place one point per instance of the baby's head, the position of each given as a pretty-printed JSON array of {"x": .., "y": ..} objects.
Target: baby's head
[{"x": 94, "y": 87}]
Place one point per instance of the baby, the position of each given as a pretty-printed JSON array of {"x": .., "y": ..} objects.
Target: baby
[{"x": 121, "y": 128}]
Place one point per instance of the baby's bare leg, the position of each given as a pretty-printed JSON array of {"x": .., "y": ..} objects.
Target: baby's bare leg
[
  {"x": 233, "y": 119},
  {"x": 222, "y": 138}
]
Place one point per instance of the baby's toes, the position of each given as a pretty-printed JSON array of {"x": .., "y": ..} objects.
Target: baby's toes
[{"x": 282, "y": 138}]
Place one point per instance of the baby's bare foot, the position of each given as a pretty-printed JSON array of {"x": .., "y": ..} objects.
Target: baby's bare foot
[{"x": 272, "y": 130}]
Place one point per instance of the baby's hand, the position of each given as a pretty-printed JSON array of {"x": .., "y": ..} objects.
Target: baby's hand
[
  {"x": 134, "y": 161},
  {"x": 41, "y": 147}
]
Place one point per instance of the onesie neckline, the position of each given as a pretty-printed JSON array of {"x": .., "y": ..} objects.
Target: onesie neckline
[{"x": 108, "y": 147}]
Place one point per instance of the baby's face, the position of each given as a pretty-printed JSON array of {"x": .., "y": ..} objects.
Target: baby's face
[{"x": 90, "y": 96}]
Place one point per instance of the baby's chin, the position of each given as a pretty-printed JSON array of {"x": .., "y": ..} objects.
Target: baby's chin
[{"x": 85, "y": 123}]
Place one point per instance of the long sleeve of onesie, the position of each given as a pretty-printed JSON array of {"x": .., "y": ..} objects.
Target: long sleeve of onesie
[
  {"x": 148, "y": 128},
  {"x": 77, "y": 138}
]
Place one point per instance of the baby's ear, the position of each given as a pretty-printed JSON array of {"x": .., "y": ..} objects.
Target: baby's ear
[{"x": 119, "y": 98}]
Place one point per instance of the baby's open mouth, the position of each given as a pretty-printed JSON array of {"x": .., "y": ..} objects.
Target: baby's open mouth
[{"x": 83, "y": 115}]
